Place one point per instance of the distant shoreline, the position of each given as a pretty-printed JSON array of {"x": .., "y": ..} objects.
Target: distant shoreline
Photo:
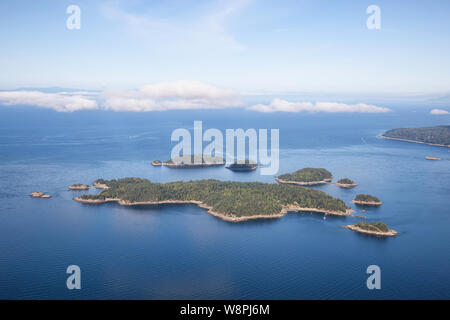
[
  {"x": 406, "y": 140},
  {"x": 209, "y": 209}
]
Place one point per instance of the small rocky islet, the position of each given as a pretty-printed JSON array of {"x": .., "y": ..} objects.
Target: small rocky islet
[
  {"x": 346, "y": 183},
  {"x": 367, "y": 200},
  {"x": 372, "y": 228},
  {"x": 40, "y": 195},
  {"x": 306, "y": 177}
]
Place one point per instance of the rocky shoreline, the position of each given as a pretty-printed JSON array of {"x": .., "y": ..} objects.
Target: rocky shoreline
[
  {"x": 389, "y": 233},
  {"x": 209, "y": 209},
  {"x": 303, "y": 183},
  {"x": 190, "y": 161},
  {"x": 79, "y": 187},
  {"x": 367, "y": 203},
  {"x": 100, "y": 185},
  {"x": 345, "y": 185},
  {"x": 406, "y": 140}
]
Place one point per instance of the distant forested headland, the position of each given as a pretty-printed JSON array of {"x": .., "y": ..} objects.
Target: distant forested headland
[{"x": 439, "y": 135}]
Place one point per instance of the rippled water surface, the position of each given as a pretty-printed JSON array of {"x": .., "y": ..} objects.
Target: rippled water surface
[{"x": 181, "y": 251}]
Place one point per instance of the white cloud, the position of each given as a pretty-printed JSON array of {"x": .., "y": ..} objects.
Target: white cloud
[
  {"x": 279, "y": 105},
  {"x": 178, "y": 95},
  {"x": 438, "y": 112},
  {"x": 61, "y": 102}
]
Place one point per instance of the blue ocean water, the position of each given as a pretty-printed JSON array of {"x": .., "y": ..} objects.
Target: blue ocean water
[{"x": 181, "y": 252}]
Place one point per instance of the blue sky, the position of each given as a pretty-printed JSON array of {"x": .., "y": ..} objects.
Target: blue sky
[{"x": 249, "y": 46}]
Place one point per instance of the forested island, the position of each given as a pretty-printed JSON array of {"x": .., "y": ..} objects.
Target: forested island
[
  {"x": 230, "y": 201},
  {"x": 437, "y": 136},
  {"x": 243, "y": 166},
  {"x": 306, "y": 176},
  {"x": 373, "y": 228},
  {"x": 346, "y": 183},
  {"x": 191, "y": 161},
  {"x": 366, "y": 199}
]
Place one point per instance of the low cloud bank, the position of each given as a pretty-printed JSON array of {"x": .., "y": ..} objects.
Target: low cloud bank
[
  {"x": 279, "y": 105},
  {"x": 179, "y": 95},
  {"x": 61, "y": 102},
  {"x": 438, "y": 112}
]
